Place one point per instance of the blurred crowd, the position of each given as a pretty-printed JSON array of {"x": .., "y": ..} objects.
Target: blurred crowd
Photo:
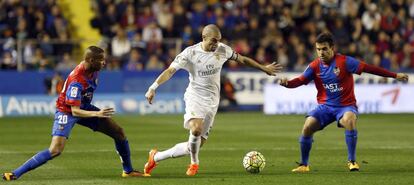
[
  {"x": 42, "y": 32},
  {"x": 147, "y": 34}
]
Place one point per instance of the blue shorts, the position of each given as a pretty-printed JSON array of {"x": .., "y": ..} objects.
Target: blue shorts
[
  {"x": 326, "y": 114},
  {"x": 64, "y": 122}
]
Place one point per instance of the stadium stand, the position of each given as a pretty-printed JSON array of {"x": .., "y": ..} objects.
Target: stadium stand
[{"x": 39, "y": 35}]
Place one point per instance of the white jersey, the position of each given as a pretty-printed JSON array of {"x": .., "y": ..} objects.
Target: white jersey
[{"x": 204, "y": 71}]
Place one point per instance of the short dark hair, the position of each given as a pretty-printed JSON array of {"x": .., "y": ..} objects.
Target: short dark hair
[
  {"x": 93, "y": 52},
  {"x": 325, "y": 37}
]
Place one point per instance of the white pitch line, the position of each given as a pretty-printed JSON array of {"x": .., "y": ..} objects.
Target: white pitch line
[{"x": 222, "y": 149}]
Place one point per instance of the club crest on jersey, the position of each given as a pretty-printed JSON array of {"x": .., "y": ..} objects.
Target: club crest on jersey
[
  {"x": 336, "y": 71},
  {"x": 217, "y": 56}
]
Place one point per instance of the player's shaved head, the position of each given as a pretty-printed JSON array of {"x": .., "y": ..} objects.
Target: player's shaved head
[
  {"x": 211, "y": 36},
  {"x": 95, "y": 57},
  {"x": 211, "y": 30}
]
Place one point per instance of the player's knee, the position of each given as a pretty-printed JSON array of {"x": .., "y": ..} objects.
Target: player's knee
[
  {"x": 202, "y": 142},
  {"x": 120, "y": 133},
  {"x": 349, "y": 121},
  {"x": 117, "y": 133},
  {"x": 349, "y": 124},
  {"x": 56, "y": 151},
  {"x": 307, "y": 131},
  {"x": 196, "y": 131}
]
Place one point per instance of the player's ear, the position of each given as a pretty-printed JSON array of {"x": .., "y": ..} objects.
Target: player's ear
[{"x": 87, "y": 58}]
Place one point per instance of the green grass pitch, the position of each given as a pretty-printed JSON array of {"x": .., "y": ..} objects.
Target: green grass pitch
[{"x": 385, "y": 151}]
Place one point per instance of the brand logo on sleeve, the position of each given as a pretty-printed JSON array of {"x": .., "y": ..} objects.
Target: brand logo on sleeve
[{"x": 74, "y": 92}]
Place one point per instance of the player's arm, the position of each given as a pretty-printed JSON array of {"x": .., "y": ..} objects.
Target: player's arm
[
  {"x": 355, "y": 66},
  {"x": 270, "y": 69},
  {"x": 73, "y": 98},
  {"x": 383, "y": 72},
  {"x": 179, "y": 62},
  {"x": 163, "y": 77},
  {"x": 296, "y": 82},
  {"x": 303, "y": 79},
  {"x": 104, "y": 113}
]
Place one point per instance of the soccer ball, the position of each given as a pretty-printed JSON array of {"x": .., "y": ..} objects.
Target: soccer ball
[{"x": 254, "y": 162}]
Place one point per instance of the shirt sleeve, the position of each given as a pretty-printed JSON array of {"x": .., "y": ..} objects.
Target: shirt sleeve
[
  {"x": 73, "y": 94},
  {"x": 377, "y": 70},
  {"x": 230, "y": 53},
  {"x": 181, "y": 60},
  {"x": 307, "y": 75},
  {"x": 353, "y": 65}
]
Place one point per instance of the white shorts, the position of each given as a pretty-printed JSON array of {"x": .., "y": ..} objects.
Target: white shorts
[{"x": 195, "y": 109}]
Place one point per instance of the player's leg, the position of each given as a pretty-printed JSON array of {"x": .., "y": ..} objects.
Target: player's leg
[
  {"x": 204, "y": 126},
  {"x": 62, "y": 126},
  {"x": 193, "y": 112},
  {"x": 56, "y": 148},
  {"x": 317, "y": 119},
  {"x": 110, "y": 128},
  {"x": 194, "y": 143},
  {"x": 155, "y": 156},
  {"x": 178, "y": 150},
  {"x": 348, "y": 121},
  {"x": 306, "y": 139},
  {"x": 194, "y": 140}
]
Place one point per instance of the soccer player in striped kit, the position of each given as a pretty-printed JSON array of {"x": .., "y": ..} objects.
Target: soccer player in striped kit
[
  {"x": 74, "y": 106},
  {"x": 332, "y": 74}
]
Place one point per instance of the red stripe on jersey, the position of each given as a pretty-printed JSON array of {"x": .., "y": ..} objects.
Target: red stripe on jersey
[
  {"x": 321, "y": 97},
  {"x": 73, "y": 102},
  {"x": 77, "y": 75},
  {"x": 296, "y": 82},
  {"x": 377, "y": 70},
  {"x": 346, "y": 81}
]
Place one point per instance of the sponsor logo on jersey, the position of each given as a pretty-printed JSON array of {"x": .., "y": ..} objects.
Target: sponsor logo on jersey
[
  {"x": 333, "y": 87},
  {"x": 210, "y": 70}
]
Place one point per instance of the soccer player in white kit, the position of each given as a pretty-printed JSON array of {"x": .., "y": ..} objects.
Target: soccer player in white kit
[{"x": 204, "y": 62}]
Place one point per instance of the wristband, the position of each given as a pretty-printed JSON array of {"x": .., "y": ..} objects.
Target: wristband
[{"x": 154, "y": 86}]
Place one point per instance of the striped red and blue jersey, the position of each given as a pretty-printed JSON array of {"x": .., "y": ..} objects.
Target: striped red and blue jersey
[
  {"x": 334, "y": 81},
  {"x": 77, "y": 90}
]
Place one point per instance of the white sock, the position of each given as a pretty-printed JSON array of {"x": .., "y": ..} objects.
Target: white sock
[
  {"x": 194, "y": 145},
  {"x": 178, "y": 150}
]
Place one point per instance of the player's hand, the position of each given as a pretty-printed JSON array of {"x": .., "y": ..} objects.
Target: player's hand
[
  {"x": 106, "y": 113},
  {"x": 402, "y": 77},
  {"x": 283, "y": 82},
  {"x": 273, "y": 68},
  {"x": 150, "y": 95}
]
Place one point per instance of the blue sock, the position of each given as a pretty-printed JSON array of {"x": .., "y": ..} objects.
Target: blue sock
[
  {"x": 305, "y": 147},
  {"x": 34, "y": 162},
  {"x": 351, "y": 137},
  {"x": 122, "y": 147}
]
